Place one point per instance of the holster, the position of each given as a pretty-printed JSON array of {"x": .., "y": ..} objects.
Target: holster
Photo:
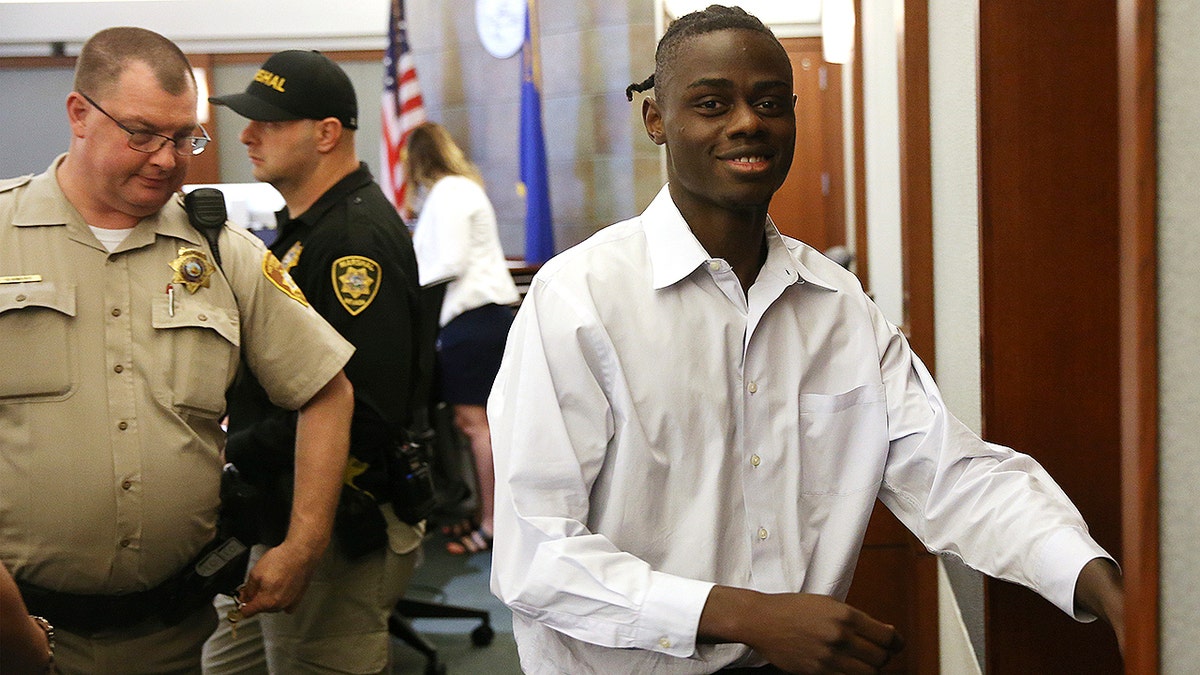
[
  {"x": 256, "y": 500},
  {"x": 219, "y": 568},
  {"x": 411, "y": 480}
]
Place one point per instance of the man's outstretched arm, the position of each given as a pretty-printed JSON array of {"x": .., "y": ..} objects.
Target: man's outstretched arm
[{"x": 1100, "y": 591}]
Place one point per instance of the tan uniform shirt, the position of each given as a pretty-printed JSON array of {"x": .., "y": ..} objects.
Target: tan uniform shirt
[{"x": 112, "y": 389}]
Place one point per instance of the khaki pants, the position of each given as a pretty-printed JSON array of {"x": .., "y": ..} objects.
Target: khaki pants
[
  {"x": 150, "y": 648},
  {"x": 339, "y": 627}
]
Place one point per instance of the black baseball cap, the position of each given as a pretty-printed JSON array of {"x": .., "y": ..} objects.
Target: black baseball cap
[{"x": 296, "y": 85}]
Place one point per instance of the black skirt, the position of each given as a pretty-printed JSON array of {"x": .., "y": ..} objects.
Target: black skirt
[{"x": 469, "y": 351}]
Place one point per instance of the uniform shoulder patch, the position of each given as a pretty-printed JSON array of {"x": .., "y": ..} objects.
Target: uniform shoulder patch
[
  {"x": 356, "y": 281},
  {"x": 274, "y": 272},
  {"x": 7, "y": 184}
]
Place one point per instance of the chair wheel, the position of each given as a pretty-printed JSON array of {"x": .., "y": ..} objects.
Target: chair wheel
[{"x": 482, "y": 636}]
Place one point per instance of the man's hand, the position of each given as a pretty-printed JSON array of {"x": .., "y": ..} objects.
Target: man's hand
[
  {"x": 278, "y": 580},
  {"x": 1100, "y": 591},
  {"x": 799, "y": 632}
]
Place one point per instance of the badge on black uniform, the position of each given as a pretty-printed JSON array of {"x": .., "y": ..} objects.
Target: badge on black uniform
[{"x": 355, "y": 282}]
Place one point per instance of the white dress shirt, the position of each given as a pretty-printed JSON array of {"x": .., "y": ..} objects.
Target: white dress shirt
[
  {"x": 456, "y": 240},
  {"x": 657, "y": 432}
]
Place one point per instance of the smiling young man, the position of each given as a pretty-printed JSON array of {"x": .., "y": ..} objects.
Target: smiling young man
[
  {"x": 695, "y": 416},
  {"x": 121, "y": 334}
]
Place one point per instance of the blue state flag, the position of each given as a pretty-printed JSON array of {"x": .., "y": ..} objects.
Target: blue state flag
[{"x": 535, "y": 184}]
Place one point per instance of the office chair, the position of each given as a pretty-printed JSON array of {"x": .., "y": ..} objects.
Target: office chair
[{"x": 400, "y": 625}]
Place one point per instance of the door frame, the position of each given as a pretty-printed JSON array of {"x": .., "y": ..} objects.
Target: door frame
[{"x": 1138, "y": 270}]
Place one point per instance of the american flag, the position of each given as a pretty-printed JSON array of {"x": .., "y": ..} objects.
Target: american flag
[{"x": 403, "y": 109}]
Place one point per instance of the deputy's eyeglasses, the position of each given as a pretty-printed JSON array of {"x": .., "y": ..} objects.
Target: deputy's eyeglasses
[{"x": 150, "y": 142}]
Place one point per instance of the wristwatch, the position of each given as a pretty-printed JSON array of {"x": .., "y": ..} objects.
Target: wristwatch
[{"x": 49, "y": 631}]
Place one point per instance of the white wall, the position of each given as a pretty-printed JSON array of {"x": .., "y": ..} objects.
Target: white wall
[
  {"x": 199, "y": 25},
  {"x": 1179, "y": 329},
  {"x": 954, "y": 102},
  {"x": 881, "y": 121}
]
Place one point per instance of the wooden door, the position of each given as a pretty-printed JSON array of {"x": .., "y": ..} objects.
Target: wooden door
[
  {"x": 810, "y": 205},
  {"x": 1049, "y": 242}
]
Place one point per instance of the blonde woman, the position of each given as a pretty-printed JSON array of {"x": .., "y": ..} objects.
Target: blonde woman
[{"x": 458, "y": 244}]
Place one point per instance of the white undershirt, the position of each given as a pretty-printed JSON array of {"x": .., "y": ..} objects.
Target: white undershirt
[{"x": 110, "y": 238}]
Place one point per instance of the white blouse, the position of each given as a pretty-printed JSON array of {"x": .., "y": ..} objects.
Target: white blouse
[{"x": 456, "y": 240}]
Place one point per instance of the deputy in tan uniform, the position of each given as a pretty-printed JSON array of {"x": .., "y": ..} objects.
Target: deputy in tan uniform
[{"x": 120, "y": 336}]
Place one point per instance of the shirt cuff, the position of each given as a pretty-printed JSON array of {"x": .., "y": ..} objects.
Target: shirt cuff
[
  {"x": 672, "y": 610},
  {"x": 1064, "y": 555}
]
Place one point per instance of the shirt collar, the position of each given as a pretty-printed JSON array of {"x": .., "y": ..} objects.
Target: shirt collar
[
  {"x": 675, "y": 252},
  {"x": 44, "y": 204},
  {"x": 351, "y": 182}
]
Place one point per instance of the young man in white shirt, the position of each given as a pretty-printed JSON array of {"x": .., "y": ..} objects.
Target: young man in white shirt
[{"x": 695, "y": 416}]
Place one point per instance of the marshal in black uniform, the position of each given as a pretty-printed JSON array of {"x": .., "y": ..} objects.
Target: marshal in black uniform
[
  {"x": 351, "y": 255},
  {"x": 353, "y": 258}
]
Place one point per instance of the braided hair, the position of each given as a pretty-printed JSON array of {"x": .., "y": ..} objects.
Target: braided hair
[{"x": 709, "y": 20}]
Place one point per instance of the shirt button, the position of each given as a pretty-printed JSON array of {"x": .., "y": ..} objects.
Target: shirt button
[
  {"x": 21, "y": 298},
  {"x": 118, "y": 368},
  {"x": 126, "y": 484},
  {"x": 755, "y": 460},
  {"x": 116, "y": 311},
  {"x": 123, "y": 425},
  {"x": 665, "y": 643},
  {"x": 752, "y": 387},
  {"x": 714, "y": 265},
  {"x": 125, "y": 543},
  {"x": 202, "y": 317},
  {"x": 762, "y": 533}
]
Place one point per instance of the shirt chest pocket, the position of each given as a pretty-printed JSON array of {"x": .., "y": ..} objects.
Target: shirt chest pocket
[
  {"x": 843, "y": 440},
  {"x": 38, "y": 359},
  {"x": 198, "y": 344}
]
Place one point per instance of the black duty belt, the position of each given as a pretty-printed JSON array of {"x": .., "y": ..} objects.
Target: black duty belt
[
  {"x": 87, "y": 614},
  {"x": 218, "y": 568}
]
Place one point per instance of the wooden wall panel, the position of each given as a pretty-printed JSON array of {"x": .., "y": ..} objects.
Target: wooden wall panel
[{"x": 1050, "y": 292}]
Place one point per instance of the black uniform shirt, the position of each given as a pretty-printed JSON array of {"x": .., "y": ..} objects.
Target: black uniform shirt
[{"x": 353, "y": 258}]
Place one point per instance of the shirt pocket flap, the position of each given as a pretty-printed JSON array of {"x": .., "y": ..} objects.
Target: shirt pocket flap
[
  {"x": 58, "y": 297},
  {"x": 187, "y": 312}
]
